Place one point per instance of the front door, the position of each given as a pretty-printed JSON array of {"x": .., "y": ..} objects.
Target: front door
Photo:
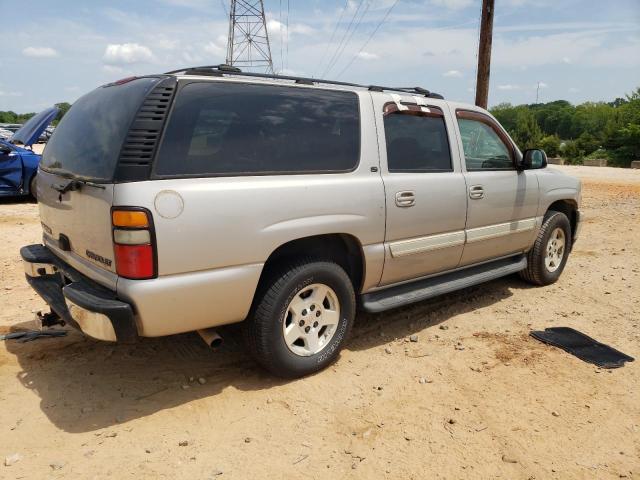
[
  {"x": 10, "y": 171},
  {"x": 424, "y": 188},
  {"x": 503, "y": 202}
]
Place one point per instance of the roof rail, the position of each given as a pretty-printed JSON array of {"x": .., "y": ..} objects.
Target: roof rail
[{"x": 223, "y": 69}]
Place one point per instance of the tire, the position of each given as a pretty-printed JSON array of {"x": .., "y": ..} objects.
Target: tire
[
  {"x": 543, "y": 266},
  {"x": 32, "y": 187},
  {"x": 292, "y": 302}
]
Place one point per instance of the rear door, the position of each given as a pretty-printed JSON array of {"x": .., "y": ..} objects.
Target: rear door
[
  {"x": 78, "y": 169},
  {"x": 503, "y": 202},
  {"x": 424, "y": 188}
]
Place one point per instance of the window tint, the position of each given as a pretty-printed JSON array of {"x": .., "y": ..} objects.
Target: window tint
[
  {"x": 231, "y": 129},
  {"x": 483, "y": 148},
  {"x": 416, "y": 143},
  {"x": 88, "y": 140}
]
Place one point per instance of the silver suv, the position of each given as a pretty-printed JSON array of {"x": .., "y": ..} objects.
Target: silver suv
[{"x": 208, "y": 196}]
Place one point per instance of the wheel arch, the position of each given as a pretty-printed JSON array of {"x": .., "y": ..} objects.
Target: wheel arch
[
  {"x": 343, "y": 248},
  {"x": 570, "y": 208}
]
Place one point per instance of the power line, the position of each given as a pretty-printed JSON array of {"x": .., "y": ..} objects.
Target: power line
[
  {"x": 355, "y": 28},
  {"x": 287, "y": 33},
  {"x": 373, "y": 33},
  {"x": 333, "y": 34},
  {"x": 280, "y": 32},
  {"x": 344, "y": 36}
]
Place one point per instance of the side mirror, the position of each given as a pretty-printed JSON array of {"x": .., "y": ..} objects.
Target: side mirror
[{"x": 533, "y": 159}]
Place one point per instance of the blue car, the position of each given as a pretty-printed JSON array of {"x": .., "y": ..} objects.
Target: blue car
[{"x": 18, "y": 163}]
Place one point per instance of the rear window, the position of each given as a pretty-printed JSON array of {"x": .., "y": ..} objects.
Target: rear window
[
  {"x": 88, "y": 140},
  {"x": 220, "y": 129}
]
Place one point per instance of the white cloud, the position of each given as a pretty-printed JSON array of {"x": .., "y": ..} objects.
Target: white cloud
[
  {"x": 278, "y": 29},
  {"x": 368, "y": 56},
  {"x": 112, "y": 69},
  {"x": 452, "y": 73},
  {"x": 541, "y": 85},
  {"x": 509, "y": 86},
  {"x": 566, "y": 60},
  {"x": 573, "y": 90},
  {"x": 214, "y": 49},
  {"x": 4, "y": 93},
  {"x": 39, "y": 52},
  {"x": 452, "y": 4},
  {"x": 127, "y": 53}
]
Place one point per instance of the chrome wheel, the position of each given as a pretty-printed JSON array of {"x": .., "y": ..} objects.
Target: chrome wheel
[
  {"x": 311, "y": 320},
  {"x": 555, "y": 250}
]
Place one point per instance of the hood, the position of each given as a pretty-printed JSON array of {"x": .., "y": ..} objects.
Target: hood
[{"x": 33, "y": 128}]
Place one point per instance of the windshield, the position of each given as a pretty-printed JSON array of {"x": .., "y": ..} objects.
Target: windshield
[{"x": 88, "y": 140}]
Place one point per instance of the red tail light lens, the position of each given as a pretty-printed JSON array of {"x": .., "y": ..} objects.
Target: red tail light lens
[
  {"x": 134, "y": 243},
  {"x": 134, "y": 261}
]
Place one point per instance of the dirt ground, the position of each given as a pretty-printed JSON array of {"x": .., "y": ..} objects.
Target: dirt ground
[{"x": 492, "y": 402}]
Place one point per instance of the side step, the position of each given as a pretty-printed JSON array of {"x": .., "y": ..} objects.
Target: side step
[{"x": 419, "y": 290}]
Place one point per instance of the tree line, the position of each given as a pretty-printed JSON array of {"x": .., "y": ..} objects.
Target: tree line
[
  {"x": 575, "y": 132},
  {"x": 13, "y": 117}
]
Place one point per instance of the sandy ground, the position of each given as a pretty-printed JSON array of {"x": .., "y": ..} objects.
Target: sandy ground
[{"x": 495, "y": 403}]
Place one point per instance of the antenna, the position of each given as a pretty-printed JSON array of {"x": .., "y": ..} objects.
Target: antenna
[
  {"x": 248, "y": 43},
  {"x": 538, "y": 92}
]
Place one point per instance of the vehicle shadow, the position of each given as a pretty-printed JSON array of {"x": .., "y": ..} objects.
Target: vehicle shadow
[
  {"x": 16, "y": 199},
  {"x": 86, "y": 385}
]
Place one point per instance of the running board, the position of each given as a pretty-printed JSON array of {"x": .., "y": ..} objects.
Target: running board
[{"x": 419, "y": 290}]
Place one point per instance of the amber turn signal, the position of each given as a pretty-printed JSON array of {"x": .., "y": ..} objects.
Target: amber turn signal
[{"x": 129, "y": 218}]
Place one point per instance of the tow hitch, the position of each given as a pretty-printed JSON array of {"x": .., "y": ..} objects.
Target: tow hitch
[{"x": 50, "y": 319}]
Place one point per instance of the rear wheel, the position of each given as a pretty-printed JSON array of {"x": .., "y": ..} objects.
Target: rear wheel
[
  {"x": 547, "y": 258},
  {"x": 301, "y": 318}
]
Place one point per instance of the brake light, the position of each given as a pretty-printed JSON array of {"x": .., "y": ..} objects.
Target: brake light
[{"x": 134, "y": 243}]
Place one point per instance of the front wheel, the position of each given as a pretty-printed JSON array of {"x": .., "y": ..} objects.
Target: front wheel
[
  {"x": 302, "y": 318},
  {"x": 547, "y": 258}
]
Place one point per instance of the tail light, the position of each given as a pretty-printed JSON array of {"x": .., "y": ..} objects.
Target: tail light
[{"x": 134, "y": 243}]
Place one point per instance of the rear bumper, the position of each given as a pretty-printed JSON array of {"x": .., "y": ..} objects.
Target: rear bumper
[{"x": 78, "y": 301}]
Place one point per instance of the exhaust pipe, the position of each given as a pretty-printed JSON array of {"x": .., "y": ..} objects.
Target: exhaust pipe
[{"x": 211, "y": 338}]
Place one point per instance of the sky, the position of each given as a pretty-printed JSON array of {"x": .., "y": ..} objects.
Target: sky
[{"x": 576, "y": 50}]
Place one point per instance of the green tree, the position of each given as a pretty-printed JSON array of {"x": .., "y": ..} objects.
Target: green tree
[
  {"x": 64, "y": 108},
  {"x": 527, "y": 133},
  {"x": 550, "y": 144}
]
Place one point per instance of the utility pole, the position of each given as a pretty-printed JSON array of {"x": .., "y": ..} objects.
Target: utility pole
[
  {"x": 484, "y": 54},
  {"x": 248, "y": 43}
]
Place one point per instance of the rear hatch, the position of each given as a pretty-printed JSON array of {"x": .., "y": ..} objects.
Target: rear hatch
[{"x": 78, "y": 172}]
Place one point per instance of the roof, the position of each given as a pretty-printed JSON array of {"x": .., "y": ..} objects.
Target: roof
[{"x": 231, "y": 72}]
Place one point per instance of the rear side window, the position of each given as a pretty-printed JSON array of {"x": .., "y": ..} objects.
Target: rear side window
[
  {"x": 416, "y": 142},
  {"x": 241, "y": 129}
]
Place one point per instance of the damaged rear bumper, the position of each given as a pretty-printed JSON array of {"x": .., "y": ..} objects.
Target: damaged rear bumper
[{"x": 76, "y": 299}]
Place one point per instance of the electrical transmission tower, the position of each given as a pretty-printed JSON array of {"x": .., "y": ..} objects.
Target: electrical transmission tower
[{"x": 248, "y": 43}]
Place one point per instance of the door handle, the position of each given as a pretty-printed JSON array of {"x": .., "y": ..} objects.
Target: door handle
[
  {"x": 476, "y": 191},
  {"x": 406, "y": 199}
]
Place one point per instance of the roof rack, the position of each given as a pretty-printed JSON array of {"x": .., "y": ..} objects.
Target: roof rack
[{"x": 222, "y": 69}]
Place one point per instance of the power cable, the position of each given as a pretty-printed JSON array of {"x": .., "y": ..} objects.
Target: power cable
[
  {"x": 375, "y": 30},
  {"x": 344, "y": 36},
  {"x": 333, "y": 34},
  {"x": 353, "y": 31}
]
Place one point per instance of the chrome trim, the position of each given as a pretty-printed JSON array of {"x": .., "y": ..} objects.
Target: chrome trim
[
  {"x": 494, "y": 231},
  {"x": 31, "y": 269},
  {"x": 426, "y": 244},
  {"x": 94, "y": 324}
]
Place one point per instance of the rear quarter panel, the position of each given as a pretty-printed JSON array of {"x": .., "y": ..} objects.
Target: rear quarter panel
[{"x": 215, "y": 234}]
